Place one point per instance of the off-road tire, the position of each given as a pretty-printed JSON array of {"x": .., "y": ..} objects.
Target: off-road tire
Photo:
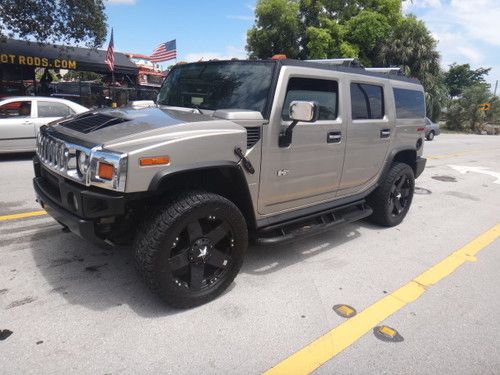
[
  {"x": 430, "y": 136},
  {"x": 380, "y": 199},
  {"x": 160, "y": 230}
]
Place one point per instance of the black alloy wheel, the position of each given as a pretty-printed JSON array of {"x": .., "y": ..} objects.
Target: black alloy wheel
[
  {"x": 392, "y": 198},
  {"x": 201, "y": 253},
  {"x": 399, "y": 196},
  {"x": 190, "y": 249}
]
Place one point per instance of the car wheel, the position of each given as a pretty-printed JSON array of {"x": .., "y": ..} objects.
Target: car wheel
[
  {"x": 191, "y": 249},
  {"x": 392, "y": 199},
  {"x": 430, "y": 136}
]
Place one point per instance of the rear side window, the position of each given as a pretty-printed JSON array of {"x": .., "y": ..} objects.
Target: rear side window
[
  {"x": 16, "y": 109},
  {"x": 367, "y": 101},
  {"x": 409, "y": 103},
  {"x": 321, "y": 91},
  {"x": 53, "y": 109}
]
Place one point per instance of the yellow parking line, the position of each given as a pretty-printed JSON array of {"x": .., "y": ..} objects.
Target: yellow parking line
[
  {"x": 22, "y": 215},
  {"x": 324, "y": 348}
]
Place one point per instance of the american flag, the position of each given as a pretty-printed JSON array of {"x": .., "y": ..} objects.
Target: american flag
[
  {"x": 165, "y": 51},
  {"x": 110, "y": 55}
]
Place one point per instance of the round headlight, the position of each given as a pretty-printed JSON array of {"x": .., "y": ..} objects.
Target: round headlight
[{"x": 82, "y": 163}]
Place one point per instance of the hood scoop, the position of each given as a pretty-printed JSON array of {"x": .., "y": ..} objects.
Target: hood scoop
[{"x": 90, "y": 122}]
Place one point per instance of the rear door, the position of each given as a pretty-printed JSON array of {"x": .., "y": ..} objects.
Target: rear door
[
  {"x": 17, "y": 129},
  {"x": 369, "y": 133}
]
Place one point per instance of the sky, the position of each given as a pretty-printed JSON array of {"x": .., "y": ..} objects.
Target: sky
[{"x": 467, "y": 31}]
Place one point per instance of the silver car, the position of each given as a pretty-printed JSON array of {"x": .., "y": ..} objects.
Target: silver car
[
  {"x": 431, "y": 129},
  {"x": 22, "y": 116}
]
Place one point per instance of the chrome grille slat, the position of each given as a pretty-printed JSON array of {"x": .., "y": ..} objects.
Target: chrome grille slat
[{"x": 60, "y": 156}]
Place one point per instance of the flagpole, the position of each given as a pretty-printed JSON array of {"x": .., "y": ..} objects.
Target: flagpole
[{"x": 113, "y": 102}]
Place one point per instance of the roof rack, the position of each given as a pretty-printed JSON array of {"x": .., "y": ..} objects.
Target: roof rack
[
  {"x": 350, "y": 62},
  {"x": 388, "y": 71}
]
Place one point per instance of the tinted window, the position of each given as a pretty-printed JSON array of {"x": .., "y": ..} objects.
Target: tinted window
[
  {"x": 409, "y": 103},
  {"x": 321, "y": 91},
  {"x": 218, "y": 85},
  {"x": 53, "y": 109},
  {"x": 367, "y": 101},
  {"x": 16, "y": 109}
]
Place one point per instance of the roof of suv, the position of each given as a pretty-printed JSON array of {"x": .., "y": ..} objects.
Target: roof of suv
[
  {"x": 354, "y": 70},
  {"x": 318, "y": 65}
]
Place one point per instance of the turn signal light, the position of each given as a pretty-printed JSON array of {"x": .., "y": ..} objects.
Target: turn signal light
[
  {"x": 278, "y": 57},
  {"x": 155, "y": 160},
  {"x": 106, "y": 171}
]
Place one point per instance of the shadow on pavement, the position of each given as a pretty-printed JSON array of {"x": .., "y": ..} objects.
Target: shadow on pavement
[
  {"x": 101, "y": 279},
  {"x": 93, "y": 277},
  {"x": 18, "y": 156}
]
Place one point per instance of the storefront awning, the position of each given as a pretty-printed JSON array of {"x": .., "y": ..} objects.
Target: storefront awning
[{"x": 52, "y": 56}]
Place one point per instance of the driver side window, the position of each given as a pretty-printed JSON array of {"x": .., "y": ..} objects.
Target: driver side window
[
  {"x": 16, "y": 109},
  {"x": 323, "y": 92}
]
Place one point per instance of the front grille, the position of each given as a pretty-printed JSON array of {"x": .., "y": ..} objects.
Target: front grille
[
  {"x": 60, "y": 156},
  {"x": 51, "y": 152},
  {"x": 90, "y": 122},
  {"x": 253, "y": 136}
]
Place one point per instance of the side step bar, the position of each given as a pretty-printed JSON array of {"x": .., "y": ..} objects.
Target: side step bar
[{"x": 312, "y": 224}]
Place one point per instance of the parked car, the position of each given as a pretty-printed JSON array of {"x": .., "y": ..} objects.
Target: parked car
[
  {"x": 22, "y": 116},
  {"x": 268, "y": 150},
  {"x": 431, "y": 129}
]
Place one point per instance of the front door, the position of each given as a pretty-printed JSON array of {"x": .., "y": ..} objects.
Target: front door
[
  {"x": 17, "y": 129},
  {"x": 308, "y": 171}
]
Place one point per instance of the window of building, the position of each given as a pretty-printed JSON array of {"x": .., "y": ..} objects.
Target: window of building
[
  {"x": 321, "y": 91},
  {"x": 53, "y": 109},
  {"x": 367, "y": 101},
  {"x": 409, "y": 103}
]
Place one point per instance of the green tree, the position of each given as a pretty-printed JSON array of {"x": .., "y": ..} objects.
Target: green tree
[
  {"x": 322, "y": 28},
  {"x": 464, "y": 113},
  {"x": 461, "y": 76},
  {"x": 66, "y": 21},
  {"x": 276, "y": 30},
  {"x": 84, "y": 76}
]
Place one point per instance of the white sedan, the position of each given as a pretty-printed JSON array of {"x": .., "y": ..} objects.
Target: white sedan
[{"x": 22, "y": 116}]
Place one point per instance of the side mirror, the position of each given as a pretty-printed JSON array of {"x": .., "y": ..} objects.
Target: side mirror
[
  {"x": 303, "y": 111},
  {"x": 299, "y": 111}
]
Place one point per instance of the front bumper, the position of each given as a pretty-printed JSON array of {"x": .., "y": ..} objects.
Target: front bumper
[
  {"x": 82, "y": 210},
  {"x": 420, "y": 166}
]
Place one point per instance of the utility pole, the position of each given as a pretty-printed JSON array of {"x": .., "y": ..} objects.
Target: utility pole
[{"x": 495, "y": 92}]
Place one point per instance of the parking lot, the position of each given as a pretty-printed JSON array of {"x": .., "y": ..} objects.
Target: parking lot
[{"x": 72, "y": 306}]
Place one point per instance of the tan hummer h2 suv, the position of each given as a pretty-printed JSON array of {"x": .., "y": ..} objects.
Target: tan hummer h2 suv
[{"x": 234, "y": 151}]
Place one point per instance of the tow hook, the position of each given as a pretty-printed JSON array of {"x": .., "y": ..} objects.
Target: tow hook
[{"x": 246, "y": 163}]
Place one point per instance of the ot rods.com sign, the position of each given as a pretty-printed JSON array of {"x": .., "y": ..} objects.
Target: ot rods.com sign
[{"x": 43, "y": 62}]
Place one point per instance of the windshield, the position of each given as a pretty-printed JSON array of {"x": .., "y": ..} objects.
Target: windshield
[{"x": 218, "y": 85}]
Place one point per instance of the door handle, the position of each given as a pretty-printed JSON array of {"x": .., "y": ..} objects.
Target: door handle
[
  {"x": 385, "y": 133},
  {"x": 334, "y": 137}
]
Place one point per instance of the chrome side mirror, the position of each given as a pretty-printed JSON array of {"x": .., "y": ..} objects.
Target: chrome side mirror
[
  {"x": 299, "y": 111},
  {"x": 303, "y": 111}
]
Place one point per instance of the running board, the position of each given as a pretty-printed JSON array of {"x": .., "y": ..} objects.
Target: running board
[{"x": 312, "y": 224}]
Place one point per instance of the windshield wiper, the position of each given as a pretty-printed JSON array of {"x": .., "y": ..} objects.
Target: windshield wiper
[{"x": 198, "y": 109}]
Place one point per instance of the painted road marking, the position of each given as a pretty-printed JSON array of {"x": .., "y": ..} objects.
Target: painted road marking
[
  {"x": 484, "y": 170},
  {"x": 22, "y": 215},
  {"x": 332, "y": 343}
]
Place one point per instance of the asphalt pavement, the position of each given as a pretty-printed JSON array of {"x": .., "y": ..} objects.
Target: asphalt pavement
[{"x": 68, "y": 306}]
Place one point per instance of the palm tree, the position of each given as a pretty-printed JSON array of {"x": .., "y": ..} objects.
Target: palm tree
[{"x": 412, "y": 48}]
